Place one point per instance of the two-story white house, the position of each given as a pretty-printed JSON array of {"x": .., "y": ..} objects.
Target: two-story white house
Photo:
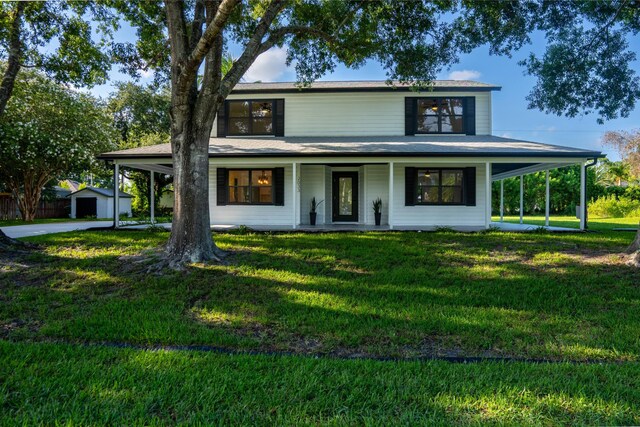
[{"x": 429, "y": 156}]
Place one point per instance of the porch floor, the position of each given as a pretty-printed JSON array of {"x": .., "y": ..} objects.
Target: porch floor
[{"x": 323, "y": 228}]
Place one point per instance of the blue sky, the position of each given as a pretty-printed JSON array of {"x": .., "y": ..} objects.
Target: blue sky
[{"x": 511, "y": 118}]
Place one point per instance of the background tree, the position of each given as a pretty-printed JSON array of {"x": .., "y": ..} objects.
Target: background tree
[
  {"x": 141, "y": 115},
  {"x": 48, "y": 130},
  {"x": 79, "y": 32},
  {"x": 628, "y": 146}
]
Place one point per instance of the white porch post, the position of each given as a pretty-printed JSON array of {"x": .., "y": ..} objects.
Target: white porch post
[
  {"x": 521, "y": 198},
  {"x": 546, "y": 200},
  {"x": 390, "y": 220},
  {"x": 487, "y": 218},
  {"x": 152, "y": 202},
  {"x": 116, "y": 194},
  {"x": 583, "y": 195},
  {"x": 501, "y": 200},
  {"x": 294, "y": 193}
]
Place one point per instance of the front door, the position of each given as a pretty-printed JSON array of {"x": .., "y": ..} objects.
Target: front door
[{"x": 345, "y": 196}]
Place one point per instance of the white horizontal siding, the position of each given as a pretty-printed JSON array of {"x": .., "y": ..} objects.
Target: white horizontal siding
[
  {"x": 315, "y": 180},
  {"x": 377, "y": 185},
  {"x": 359, "y": 113},
  {"x": 312, "y": 182},
  {"x": 252, "y": 214},
  {"x": 438, "y": 215}
]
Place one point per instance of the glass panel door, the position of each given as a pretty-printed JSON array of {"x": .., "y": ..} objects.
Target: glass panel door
[{"x": 345, "y": 196}]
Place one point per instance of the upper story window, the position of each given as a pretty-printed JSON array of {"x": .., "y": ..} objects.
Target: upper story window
[
  {"x": 255, "y": 117},
  {"x": 440, "y": 115}
]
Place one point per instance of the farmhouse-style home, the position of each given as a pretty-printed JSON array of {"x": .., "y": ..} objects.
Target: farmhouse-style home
[{"x": 429, "y": 156}]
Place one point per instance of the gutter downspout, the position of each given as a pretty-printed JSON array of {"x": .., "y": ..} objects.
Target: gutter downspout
[{"x": 586, "y": 192}]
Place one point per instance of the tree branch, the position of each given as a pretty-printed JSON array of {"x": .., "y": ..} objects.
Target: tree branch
[
  {"x": 277, "y": 36},
  {"x": 204, "y": 44},
  {"x": 252, "y": 48},
  {"x": 13, "y": 60}
]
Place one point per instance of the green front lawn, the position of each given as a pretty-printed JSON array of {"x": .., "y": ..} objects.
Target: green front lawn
[
  {"x": 565, "y": 297},
  {"x": 62, "y": 384}
]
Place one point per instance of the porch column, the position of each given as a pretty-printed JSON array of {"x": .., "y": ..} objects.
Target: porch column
[
  {"x": 487, "y": 217},
  {"x": 390, "y": 220},
  {"x": 294, "y": 193},
  {"x": 116, "y": 194},
  {"x": 546, "y": 200},
  {"x": 583, "y": 195},
  {"x": 152, "y": 201},
  {"x": 501, "y": 200},
  {"x": 521, "y": 197}
]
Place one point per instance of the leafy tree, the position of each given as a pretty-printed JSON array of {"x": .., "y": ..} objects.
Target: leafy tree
[
  {"x": 48, "y": 130},
  {"x": 628, "y": 145},
  {"x": 585, "y": 69},
  {"x": 616, "y": 172},
  {"x": 28, "y": 30},
  {"x": 141, "y": 115},
  {"x": 564, "y": 195}
]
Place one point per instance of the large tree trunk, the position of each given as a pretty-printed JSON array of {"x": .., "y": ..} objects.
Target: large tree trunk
[{"x": 191, "y": 239}]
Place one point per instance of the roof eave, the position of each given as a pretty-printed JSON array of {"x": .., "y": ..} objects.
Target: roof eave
[
  {"x": 365, "y": 89},
  {"x": 586, "y": 154}
]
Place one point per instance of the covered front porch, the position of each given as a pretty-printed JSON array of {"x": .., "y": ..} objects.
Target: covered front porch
[{"x": 344, "y": 191}]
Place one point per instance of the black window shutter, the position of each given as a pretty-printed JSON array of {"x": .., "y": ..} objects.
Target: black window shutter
[
  {"x": 470, "y": 115},
  {"x": 409, "y": 186},
  {"x": 410, "y": 107},
  {"x": 278, "y": 183},
  {"x": 279, "y": 130},
  {"x": 222, "y": 121},
  {"x": 221, "y": 186},
  {"x": 470, "y": 186}
]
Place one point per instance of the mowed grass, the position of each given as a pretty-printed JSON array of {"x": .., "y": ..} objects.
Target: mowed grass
[
  {"x": 531, "y": 295},
  {"x": 567, "y": 297},
  {"x": 70, "y": 385}
]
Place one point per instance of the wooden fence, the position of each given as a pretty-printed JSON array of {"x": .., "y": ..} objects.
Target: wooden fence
[{"x": 58, "y": 208}]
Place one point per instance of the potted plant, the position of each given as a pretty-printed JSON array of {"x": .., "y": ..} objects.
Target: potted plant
[
  {"x": 312, "y": 213},
  {"x": 377, "y": 210}
]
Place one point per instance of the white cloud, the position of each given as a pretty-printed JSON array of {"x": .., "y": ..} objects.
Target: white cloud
[
  {"x": 268, "y": 67},
  {"x": 146, "y": 73},
  {"x": 464, "y": 75}
]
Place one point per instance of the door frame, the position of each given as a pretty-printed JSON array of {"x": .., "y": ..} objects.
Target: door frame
[{"x": 335, "y": 178}]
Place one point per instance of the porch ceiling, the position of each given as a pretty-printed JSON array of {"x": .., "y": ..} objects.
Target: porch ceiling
[
  {"x": 510, "y": 170},
  {"x": 167, "y": 170}
]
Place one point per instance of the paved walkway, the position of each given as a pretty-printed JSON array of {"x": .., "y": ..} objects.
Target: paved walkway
[{"x": 17, "y": 231}]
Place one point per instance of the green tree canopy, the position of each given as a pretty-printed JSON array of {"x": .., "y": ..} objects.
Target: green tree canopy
[
  {"x": 66, "y": 40},
  {"x": 47, "y": 131}
]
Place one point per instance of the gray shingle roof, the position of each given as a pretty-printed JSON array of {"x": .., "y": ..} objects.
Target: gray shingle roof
[
  {"x": 108, "y": 192},
  {"x": 375, "y": 146},
  {"x": 357, "y": 86}
]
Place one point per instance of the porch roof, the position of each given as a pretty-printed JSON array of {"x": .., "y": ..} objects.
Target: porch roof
[{"x": 370, "y": 146}]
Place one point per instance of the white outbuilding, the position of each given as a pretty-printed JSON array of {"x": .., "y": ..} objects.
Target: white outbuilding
[{"x": 98, "y": 203}]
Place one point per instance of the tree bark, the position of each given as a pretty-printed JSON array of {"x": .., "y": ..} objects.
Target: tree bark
[
  {"x": 13, "y": 59},
  {"x": 191, "y": 239}
]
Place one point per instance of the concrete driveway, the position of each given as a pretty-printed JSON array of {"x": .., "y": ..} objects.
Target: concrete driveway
[{"x": 17, "y": 231}]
